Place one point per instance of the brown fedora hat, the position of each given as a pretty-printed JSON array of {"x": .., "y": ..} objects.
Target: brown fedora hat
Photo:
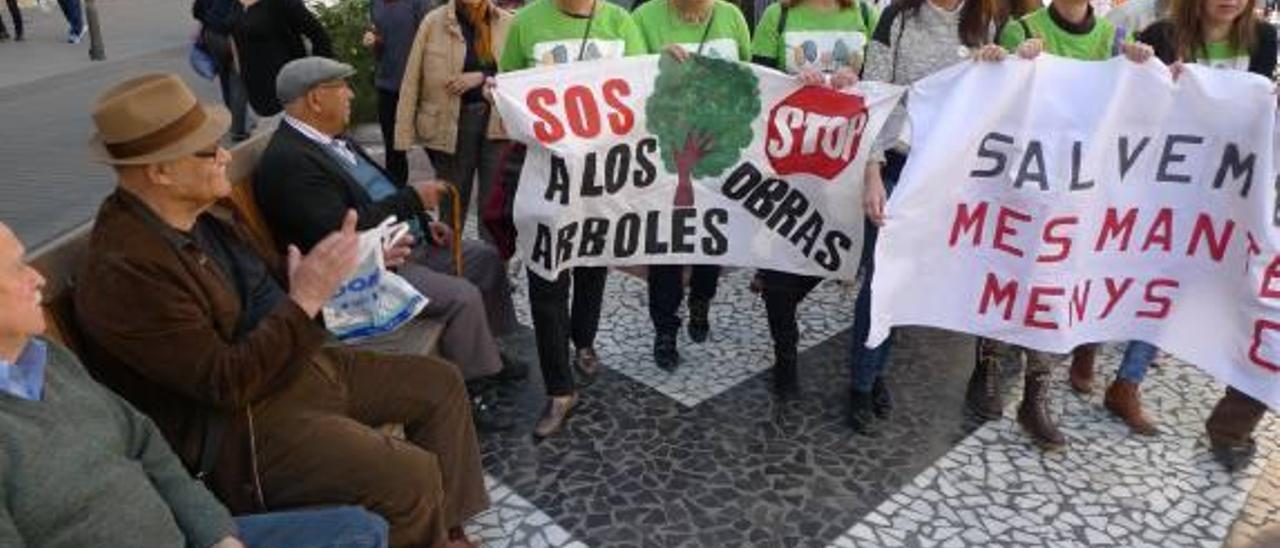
[{"x": 153, "y": 118}]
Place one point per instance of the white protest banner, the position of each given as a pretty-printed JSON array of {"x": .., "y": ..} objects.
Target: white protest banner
[
  {"x": 1055, "y": 202},
  {"x": 647, "y": 160}
]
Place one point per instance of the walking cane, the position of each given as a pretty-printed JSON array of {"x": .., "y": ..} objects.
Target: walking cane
[{"x": 455, "y": 198}]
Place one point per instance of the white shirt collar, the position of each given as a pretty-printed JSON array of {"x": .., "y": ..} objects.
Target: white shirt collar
[{"x": 322, "y": 139}]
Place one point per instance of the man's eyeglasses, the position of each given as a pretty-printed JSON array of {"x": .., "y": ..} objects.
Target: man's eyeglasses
[{"x": 208, "y": 153}]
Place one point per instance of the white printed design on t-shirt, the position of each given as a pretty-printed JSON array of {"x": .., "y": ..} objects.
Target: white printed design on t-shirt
[
  {"x": 559, "y": 52},
  {"x": 825, "y": 50},
  {"x": 720, "y": 48}
]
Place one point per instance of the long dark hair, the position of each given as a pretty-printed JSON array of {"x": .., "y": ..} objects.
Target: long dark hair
[
  {"x": 1189, "y": 33},
  {"x": 977, "y": 18}
]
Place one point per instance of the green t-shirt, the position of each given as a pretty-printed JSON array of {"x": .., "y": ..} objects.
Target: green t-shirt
[
  {"x": 1222, "y": 55},
  {"x": 727, "y": 37},
  {"x": 542, "y": 34},
  {"x": 1098, "y": 44},
  {"x": 823, "y": 40}
]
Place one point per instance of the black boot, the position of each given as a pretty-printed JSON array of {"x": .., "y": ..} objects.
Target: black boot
[
  {"x": 665, "y": 353},
  {"x": 486, "y": 410},
  {"x": 862, "y": 415},
  {"x": 786, "y": 381},
  {"x": 1033, "y": 413},
  {"x": 699, "y": 323},
  {"x": 881, "y": 399},
  {"x": 982, "y": 397}
]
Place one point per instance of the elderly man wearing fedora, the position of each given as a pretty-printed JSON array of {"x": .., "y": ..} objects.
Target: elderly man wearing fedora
[
  {"x": 310, "y": 174},
  {"x": 220, "y": 348},
  {"x": 56, "y": 423}
]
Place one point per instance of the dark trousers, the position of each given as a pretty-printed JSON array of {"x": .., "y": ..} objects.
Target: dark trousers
[
  {"x": 1235, "y": 417},
  {"x": 234, "y": 94},
  {"x": 783, "y": 292},
  {"x": 16, "y": 15},
  {"x": 74, "y": 13},
  {"x": 868, "y": 364},
  {"x": 473, "y": 163},
  {"x": 397, "y": 161},
  {"x": 666, "y": 292},
  {"x": 554, "y": 325}
]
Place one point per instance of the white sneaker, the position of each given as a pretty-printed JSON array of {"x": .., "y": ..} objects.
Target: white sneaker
[{"x": 74, "y": 37}]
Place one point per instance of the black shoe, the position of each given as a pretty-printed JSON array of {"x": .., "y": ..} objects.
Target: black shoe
[
  {"x": 699, "y": 323},
  {"x": 518, "y": 351},
  {"x": 862, "y": 417},
  {"x": 665, "y": 354},
  {"x": 881, "y": 399},
  {"x": 486, "y": 411},
  {"x": 786, "y": 380},
  {"x": 1233, "y": 456}
]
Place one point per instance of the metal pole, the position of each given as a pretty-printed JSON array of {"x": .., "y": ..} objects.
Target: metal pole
[{"x": 96, "y": 51}]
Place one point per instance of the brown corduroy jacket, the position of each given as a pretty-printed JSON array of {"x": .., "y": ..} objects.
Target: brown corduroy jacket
[{"x": 158, "y": 318}]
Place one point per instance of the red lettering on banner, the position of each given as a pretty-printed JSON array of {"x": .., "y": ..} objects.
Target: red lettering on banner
[
  {"x": 1204, "y": 231},
  {"x": 969, "y": 222},
  {"x": 1004, "y": 229},
  {"x": 1114, "y": 294},
  {"x": 1113, "y": 227},
  {"x": 549, "y": 129},
  {"x": 1163, "y": 302},
  {"x": 1000, "y": 294},
  {"x": 1161, "y": 231},
  {"x": 1063, "y": 242},
  {"x": 1079, "y": 302},
  {"x": 1259, "y": 328},
  {"x": 622, "y": 119},
  {"x": 1254, "y": 250},
  {"x": 1034, "y": 306},
  {"x": 1268, "y": 290},
  {"x": 582, "y": 111}
]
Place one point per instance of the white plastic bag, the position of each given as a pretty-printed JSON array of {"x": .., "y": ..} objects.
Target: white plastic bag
[{"x": 373, "y": 301}]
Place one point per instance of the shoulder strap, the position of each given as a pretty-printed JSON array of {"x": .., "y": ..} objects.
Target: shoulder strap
[
  {"x": 866, "y": 15},
  {"x": 897, "y": 45},
  {"x": 582, "y": 48},
  {"x": 707, "y": 30},
  {"x": 782, "y": 43},
  {"x": 1118, "y": 41}
]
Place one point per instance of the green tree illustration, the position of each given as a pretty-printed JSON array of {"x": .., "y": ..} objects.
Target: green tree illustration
[{"x": 701, "y": 112}]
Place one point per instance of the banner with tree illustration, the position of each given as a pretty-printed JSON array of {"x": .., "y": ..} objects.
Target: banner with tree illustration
[{"x": 648, "y": 160}]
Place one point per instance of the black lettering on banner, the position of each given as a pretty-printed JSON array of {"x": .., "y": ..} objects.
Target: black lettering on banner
[
  {"x": 541, "y": 252},
  {"x": 559, "y": 184},
  {"x": 1126, "y": 159},
  {"x": 590, "y": 186},
  {"x": 761, "y": 201},
  {"x": 741, "y": 182},
  {"x": 1231, "y": 161},
  {"x": 682, "y": 230},
  {"x": 653, "y": 244},
  {"x": 985, "y": 151},
  {"x": 1076, "y": 158},
  {"x": 1170, "y": 157},
  {"x": 715, "y": 243},
  {"x": 648, "y": 172},
  {"x": 789, "y": 212},
  {"x": 595, "y": 237},
  {"x": 1035, "y": 153},
  {"x": 830, "y": 258},
  {"x": 626, "y": 235},
  {"x": 564, "y": 242},
  {"x": 615, "y": 176},
  {"x": 809, "y": 232}
]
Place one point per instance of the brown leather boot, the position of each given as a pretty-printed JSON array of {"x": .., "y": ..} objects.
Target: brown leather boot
[
  {"x": 983, "y": 397},
  {"x": 1082, "y": 359},
  {"x": 559, "y": 408},
  {"x": 1033, "y": 413},
  {"x": 1122, "y": 400}
]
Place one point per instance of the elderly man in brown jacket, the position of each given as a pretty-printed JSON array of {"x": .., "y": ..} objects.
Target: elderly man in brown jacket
[{"x": 182, "y": 318}]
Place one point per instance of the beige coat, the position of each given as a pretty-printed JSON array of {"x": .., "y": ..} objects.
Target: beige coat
[{"x": 427, "y": 113}]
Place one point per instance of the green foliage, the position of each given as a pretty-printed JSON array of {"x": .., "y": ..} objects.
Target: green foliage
[
  {"x": 346, "y": 21},
  {"x": 703, "y": 99}
]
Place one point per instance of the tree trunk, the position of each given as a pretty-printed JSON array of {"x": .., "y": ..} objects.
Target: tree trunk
[
  {"x": 686, "y": 159},
  {"x": 684, "y": 189}
]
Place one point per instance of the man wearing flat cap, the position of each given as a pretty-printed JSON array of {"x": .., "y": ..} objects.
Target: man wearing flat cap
[
  {"x": 309, "y": 175},
  {"x": 222, "y": 350}
]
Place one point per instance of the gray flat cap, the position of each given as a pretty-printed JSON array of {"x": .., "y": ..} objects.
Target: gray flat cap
[{"x": 300, "y": 75}]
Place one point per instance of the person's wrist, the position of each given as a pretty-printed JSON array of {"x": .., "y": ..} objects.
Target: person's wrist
[{"x": 309, "y": 304}]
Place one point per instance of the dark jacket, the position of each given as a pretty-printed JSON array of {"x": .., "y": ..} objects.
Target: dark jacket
[
  {"x": 1262, "y": 60},
  {"x": 268, "y": 35},
  {"x": 158, "y": 319},
  {"x": 303, "y": 192}
]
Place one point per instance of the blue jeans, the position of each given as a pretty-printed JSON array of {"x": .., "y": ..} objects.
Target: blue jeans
[
  {"x": 1137, "y": 359},
  {"x": 337, "y": 527},
  {"x": 869, "y": 363},
  {"x": 75, "y": 15}
]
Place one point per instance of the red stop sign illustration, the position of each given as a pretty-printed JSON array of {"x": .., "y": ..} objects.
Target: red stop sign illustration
[{"x": 815, "y": 130}]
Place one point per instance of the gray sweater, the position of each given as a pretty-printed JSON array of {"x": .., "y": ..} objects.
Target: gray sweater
[
  {"x": 83, "y": 468},
  {"x": 930, "y": 41}
]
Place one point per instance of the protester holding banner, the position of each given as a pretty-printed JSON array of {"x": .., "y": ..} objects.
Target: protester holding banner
[
  {"x": 552, "y": 32},
  {"x": 821, "y": 42},
  {"x": 1226, "y": 35},
  {"x": 914, "y": 39},
  {"x": 714, "y": 28}
]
